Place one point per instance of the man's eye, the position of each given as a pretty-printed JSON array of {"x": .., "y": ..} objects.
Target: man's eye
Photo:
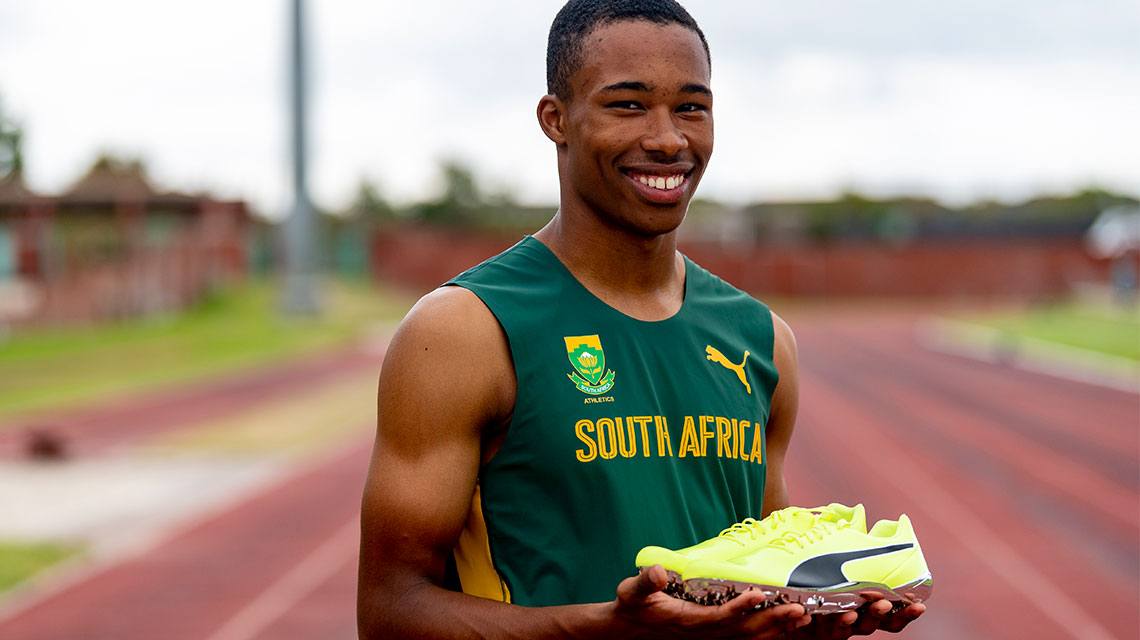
[
  {"x": 690, "y": 107},
  {"x": 624, "y": 104}
]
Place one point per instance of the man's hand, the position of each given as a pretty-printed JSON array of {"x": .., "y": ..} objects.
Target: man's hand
[
  {"x": 646, "y": 611},
  {"x": 874, "y": 616}
]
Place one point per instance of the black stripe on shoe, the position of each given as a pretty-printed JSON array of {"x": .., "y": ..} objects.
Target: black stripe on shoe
[{"x": 826, "y": 571}]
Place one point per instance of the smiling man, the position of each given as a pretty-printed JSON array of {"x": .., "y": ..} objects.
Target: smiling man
[{"x": 589, "y": 391}]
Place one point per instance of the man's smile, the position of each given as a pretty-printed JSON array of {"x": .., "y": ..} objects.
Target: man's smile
[{"x": 661, "y": 185}]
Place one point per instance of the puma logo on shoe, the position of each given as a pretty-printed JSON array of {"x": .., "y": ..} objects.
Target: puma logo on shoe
[
  {"x": 716, "y": 356},
  {"x": 826, "y": 571}
]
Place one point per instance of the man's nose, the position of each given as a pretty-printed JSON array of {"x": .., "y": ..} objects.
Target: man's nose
[{"x": 664, "y": 137}]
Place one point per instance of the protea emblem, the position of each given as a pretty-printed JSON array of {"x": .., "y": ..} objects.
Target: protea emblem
[{"x": 589, "y": 361}]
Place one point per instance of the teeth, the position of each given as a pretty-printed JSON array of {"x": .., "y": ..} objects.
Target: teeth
[{"x": 661, "y": 182}]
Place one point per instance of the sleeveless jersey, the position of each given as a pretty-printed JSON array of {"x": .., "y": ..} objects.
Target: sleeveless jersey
[{"x": 625, "y": 433}]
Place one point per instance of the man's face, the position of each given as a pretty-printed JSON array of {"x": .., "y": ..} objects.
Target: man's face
[{"x": 639, "y": 126}]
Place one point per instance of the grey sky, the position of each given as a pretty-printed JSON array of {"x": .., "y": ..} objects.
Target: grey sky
[{"x": 957, "y": 100}]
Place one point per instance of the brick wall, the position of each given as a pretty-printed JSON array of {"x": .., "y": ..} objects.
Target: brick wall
[{"x": 421, "y": 258}]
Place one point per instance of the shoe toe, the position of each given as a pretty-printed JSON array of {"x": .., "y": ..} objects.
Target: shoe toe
[{"x": 667, "y": 558}]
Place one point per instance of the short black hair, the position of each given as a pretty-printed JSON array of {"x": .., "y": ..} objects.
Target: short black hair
[{"x": 579, "y": 17}]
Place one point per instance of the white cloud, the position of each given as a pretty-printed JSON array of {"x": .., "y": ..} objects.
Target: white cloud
[
  {"x": 958, "y": 127},
  {"x": 952, "y": 99}
]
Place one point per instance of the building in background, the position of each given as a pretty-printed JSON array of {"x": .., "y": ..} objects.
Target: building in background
[
  {"x": 1115, "y": 235},
  {"x": 113, "y": 246},
  {"x": 852, "y": 246}
]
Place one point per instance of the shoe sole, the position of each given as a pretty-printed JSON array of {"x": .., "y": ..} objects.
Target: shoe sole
[{"x": 712, "y": 592}]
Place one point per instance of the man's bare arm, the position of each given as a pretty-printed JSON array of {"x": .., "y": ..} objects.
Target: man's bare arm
[
  {"x": 782, "y": 418},
  {"x": 446, "y": 380}
]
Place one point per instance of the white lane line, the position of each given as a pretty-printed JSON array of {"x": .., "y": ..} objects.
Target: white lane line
[
  {"x": 1038, "y": 356},
  {"x": 133, "y": 544},
  {"x": 56, "y": 581},
  {"x": 1063, "y": 474},
  {"x": 910, "y": 479},
  {"x": 304, "y": 578}
]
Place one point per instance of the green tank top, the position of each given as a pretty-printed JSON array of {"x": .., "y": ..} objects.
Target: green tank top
[{"x": 625, "y": 433}]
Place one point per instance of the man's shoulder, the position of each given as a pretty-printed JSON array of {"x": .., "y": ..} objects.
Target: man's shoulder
[
  {"x": 722, "y": 292},
  {"x": 712, "y": 288},
  {"x": 520, "y": 263},
  {"x": 449, "y": 334},
  {"x": 443, "y": 302},
  {"x": 449, "y": 315},
  {"x": 520, "y": 287}
]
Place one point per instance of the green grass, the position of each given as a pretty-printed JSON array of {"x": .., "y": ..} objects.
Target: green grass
[
  {"x": 20, "y": 561},
  {"x": 232, "y": 330},
  {"x": 1103, "y": 328}
]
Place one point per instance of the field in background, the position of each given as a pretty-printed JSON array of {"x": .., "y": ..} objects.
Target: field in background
[
  {"x": 1104, "y": 327},
  {"x": 205, "y": 397},
  {"x": 235, "y": 329},
  {"x": 20, "y": 560}
]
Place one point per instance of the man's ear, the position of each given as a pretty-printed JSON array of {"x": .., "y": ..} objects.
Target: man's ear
[{"x": 552, "y": 118}]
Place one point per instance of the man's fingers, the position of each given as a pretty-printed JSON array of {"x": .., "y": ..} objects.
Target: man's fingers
[
  {"x": 744, "y": 604},
  {"x": 831, "y": 626},
  {"x": 871, "y": 616},
  {"x": 898, "y": 621},
  {"x": 772, "y": 623},
  {"x": 648, "y": 581},
  {"x": 839, "y": 625},
  {"x": 881, "y": 608},
  {"x": 651, "y": 580}
]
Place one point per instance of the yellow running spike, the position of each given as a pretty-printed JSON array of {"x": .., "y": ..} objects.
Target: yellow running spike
[
  {"x": 827, "y": 567},
  {"x": 745, "y": 537}
]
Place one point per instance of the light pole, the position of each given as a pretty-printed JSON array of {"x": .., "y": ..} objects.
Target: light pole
[{"x": 300, "y": 285}]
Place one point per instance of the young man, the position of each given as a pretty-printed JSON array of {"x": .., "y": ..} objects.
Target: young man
[{"x": 590, "y": 391}]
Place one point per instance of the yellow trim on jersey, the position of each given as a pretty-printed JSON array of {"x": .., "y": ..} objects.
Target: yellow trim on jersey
[{"x": 477, "y": 574}]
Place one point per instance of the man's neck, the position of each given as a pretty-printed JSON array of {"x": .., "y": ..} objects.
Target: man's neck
[{"x": 643, "y": 277}]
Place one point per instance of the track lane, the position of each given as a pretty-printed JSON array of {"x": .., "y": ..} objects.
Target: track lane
[
  {"x": 865, "y": 375},
  {"x": 1096, "y": 496},
  {"x": 202, "y": 577},
  {"x": 1047, "y": 543},
  {"x": 1104, "y": 414},
  {"x": 989, "y": 576},
  {"x": 1082, "y": 480},
  {"x": 98, "y": 429}
]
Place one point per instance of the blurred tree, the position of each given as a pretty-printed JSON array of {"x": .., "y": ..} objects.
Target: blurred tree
[
  {"x": 461, "y": 189},
  {"x": 461, "y": 200},
  {"x": 466, "y": 201},
  {"x": 862, "y": 215},
  {"x": 370, "y": 205},
  {"x": 11, "y": 145},
  {"x": 109, "y": 161}
]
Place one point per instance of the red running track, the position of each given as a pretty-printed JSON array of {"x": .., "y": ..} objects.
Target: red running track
[
  {"x": 281, "y": 564},
  {"x": 124, "y": 421},
  {"x": 1023, "y": 489}
]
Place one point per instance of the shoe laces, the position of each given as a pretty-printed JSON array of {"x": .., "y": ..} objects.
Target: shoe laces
[
  {"x": 804, "y": 539},
  {"x": 750, "y": 529}
]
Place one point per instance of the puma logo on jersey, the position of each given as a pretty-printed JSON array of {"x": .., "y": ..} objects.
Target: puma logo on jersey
[{"x": 716, "y": 356}]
